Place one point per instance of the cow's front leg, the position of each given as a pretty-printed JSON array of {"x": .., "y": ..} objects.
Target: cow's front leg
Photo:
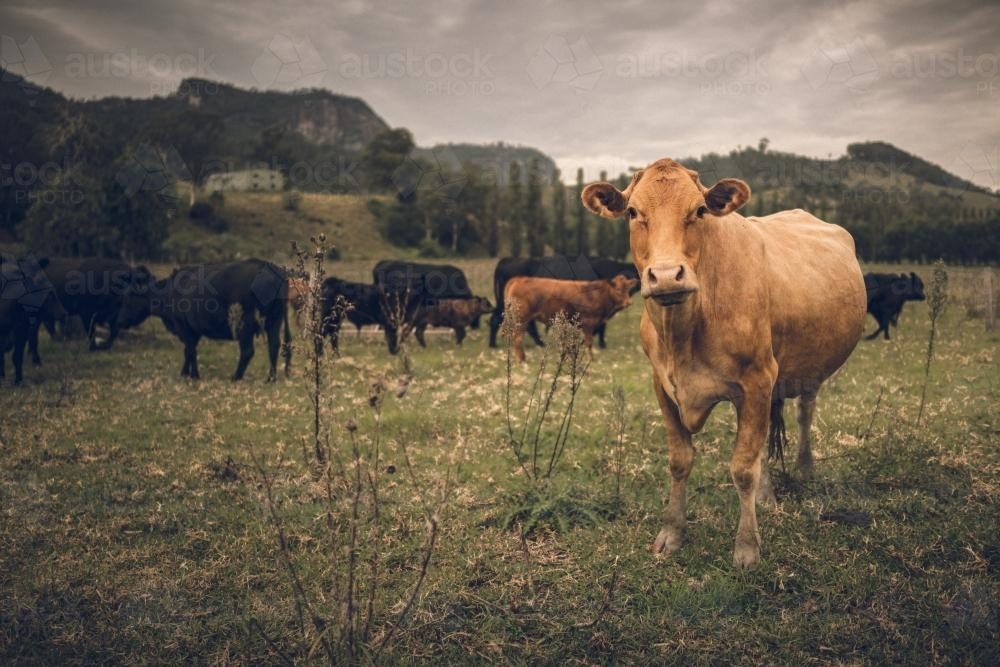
[
  {"x": 752, "y": 417},
  {"x": 681, "y": 457},
  {"x": 518, "y": 341},
  {"x": 246, "y": 354}
]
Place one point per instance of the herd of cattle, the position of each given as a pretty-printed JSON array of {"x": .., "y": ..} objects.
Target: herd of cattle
[
  {"x": 198, "y": 301},
  {"x": 241, "y": 299}
]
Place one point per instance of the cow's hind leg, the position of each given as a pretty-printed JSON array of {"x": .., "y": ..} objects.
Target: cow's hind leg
[
  {"x": 20, "y": 341},
  {"x": 272, "y": 329},
  {"x": 459, "y": 335},
  {"x": 245, "y": 339},
  {"x": 681, "y": 457},
  {"x": 33, "y": 343},
  {"x": 806, "y": 410},
  {"x": 495, "y": 319},
  {"x": 600, "y": 336}
]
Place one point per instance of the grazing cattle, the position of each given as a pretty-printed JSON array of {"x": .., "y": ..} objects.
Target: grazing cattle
[
  {"x": 747, "y": 310},
  {"x": 406, "y": 287},
  {"x": 456, "y": 314},
  {"x": 592, "y": 302},
  {"x": 357, "y": 302},
  {"x": 887, "y": 292},
  {"x": 221, "y": 302},
  {"x": 96, "y": 290},
  {"x": 553, "y": 266},
  {"x": 26, "y": 296}
]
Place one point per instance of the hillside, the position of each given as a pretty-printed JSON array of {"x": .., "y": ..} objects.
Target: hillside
[
  {"x": 260, "y": 225},
  {"x": 494, "y": 160}
]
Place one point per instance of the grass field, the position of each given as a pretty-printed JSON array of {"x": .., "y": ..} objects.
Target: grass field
[{"x": 135, "y": 525}]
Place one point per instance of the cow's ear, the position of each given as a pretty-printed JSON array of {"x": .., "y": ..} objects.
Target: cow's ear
[
  {"x": 605, "y": 200},
  {"x": 726, "y": 196}
]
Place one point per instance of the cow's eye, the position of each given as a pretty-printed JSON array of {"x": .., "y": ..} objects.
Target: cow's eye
[
  {"x": 702, "y": 210},
  {"x": 631, "y": 212}
]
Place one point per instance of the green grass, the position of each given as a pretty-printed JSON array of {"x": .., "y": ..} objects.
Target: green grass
[{"x": 134, "y": 529}]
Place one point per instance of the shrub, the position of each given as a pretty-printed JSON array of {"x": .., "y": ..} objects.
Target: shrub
[
  {"x": 430, "y": 249},
  {"x": 201, "y": 211},
  {"x": 203, "y": 215}
]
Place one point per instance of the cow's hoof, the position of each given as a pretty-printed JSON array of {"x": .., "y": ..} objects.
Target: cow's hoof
[
  {"x": 747, "y": 553},
  {"x": 667, "y": 542},
  {"x": 746, "y": 559}
]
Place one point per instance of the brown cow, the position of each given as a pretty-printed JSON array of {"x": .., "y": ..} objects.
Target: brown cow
[
  {"x": 541, "y": 299},
  {"x": 747, "y": 310},
  {"x": 454, "y": 313}
]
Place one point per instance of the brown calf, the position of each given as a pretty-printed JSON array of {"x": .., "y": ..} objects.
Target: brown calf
[{"x": 541, "y": 299}]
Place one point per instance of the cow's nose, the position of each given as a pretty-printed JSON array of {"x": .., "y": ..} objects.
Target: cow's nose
[
  {"x": 660, "y": 275},
  {"x": 668, "y": 283}
]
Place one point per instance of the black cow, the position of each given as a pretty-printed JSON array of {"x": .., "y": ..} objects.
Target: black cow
[
  {"x": 359, "y": 303},
  {"x": 26, "y": 296},
  {"x": 406, "y": 287},
  {"x": 553, "y": 266},
  {"x": 887, "y": 292},
  {"x": 220, "y": 302},
  {"x": 96, "y": 290}
]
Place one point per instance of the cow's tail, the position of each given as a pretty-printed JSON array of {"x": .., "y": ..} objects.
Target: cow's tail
[
  {"x": 286, "y": 344},
  {"x": 776, "y": 436}
]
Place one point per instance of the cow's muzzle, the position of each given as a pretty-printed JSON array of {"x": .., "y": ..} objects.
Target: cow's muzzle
[{"x": 668, "y": 284}]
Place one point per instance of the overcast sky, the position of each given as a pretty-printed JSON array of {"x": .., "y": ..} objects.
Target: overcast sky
[{"x": 601, "y": 85}]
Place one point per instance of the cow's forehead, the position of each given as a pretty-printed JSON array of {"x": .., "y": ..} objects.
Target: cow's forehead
[{"x": 665, "y": 179}]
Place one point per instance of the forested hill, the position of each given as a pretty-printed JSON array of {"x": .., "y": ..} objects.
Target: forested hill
[
  {"x": 92, "y": 177},
  {"x": 495, "y": 159}
]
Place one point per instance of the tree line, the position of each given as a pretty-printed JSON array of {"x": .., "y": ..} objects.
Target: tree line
[{"x": 78, "y": 183}]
